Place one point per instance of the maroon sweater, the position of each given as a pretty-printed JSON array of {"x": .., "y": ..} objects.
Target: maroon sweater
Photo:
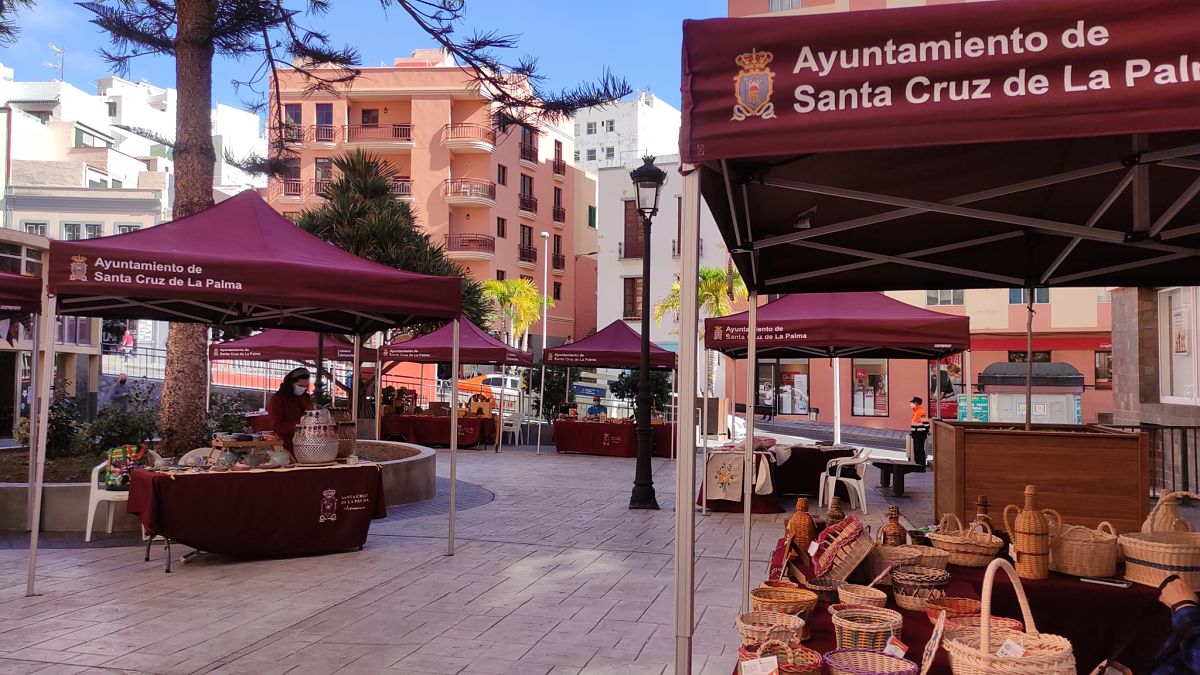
[{"x": 286, "y": 411}]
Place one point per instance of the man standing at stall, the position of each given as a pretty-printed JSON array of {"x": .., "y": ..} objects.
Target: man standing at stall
[{"x": 918, "y": 433}]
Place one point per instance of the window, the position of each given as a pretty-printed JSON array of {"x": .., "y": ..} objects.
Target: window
[
  {"x": 783, "y": 5},
  {"x": 112, "y": 108},
  {"x": 557, "y": 149},
  {"x": 117, "y": 184},
  {"x": 502, "y": 228},
  {"x": 324, "y": 130},
  {"x": 791, "y": 396},
  {"x": 370, "y": 117},
  {"x": 92, "y": 230},
  {"x": 528, "y": 136},
  {"x": 591, "y": 154},
  {"x": 97, "y": 184},
  {"x": 72, "y": 231},
  {"x": 610, "y": 152},
  {"x": 324, "y": 168},
  {"x": 948, "y": 379},
  {"x": 1104, "y": 370},
  {"x": 1177, "y": 361},
  {"x": 591, "y": 128},
  {"x": 557, "y": 290},
  {"x": 291, "y": 113},
  {"x": 500, "y": 275},
  {"x": 870, "y": 391},
  {"x": 87, "y": 139},
  {"x": 632, "y": 303},
  {"x": 558, "y": 195},
  {"x": 1020, "y": 296},
  {"x": 34, "y": 227},
  {"x": 127, "y": 228},
  {"x": 609, "y": 125},
  {"x": 576, "y": 156},
  {"x": 501, "y": 174},
  {"x": 592, "y": 216},
  {"x": 558, "y": 244},
  {"x": 634, "y": 244},
  {"x": 1038, "y": 357},
  {"x": 764, "y": 391},
  {"x": 527, "y": 185},
  {"x": 935, "y": 298},
  {"x": 526, "y": 236},
  {"x": 526, "y": 277},
  {"x": 577, "y": 128},
  {"x": 12, "y": 256}
]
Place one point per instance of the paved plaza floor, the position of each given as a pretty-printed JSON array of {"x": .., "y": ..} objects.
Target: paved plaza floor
[{"x": 552, "y": 574}]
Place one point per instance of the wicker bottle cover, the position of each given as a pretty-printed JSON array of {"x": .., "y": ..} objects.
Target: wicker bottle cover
[
  {"x": 1165, "y": 516},
  {"x": 893, "y": 533},
  {"x": 1031, "y": 536},
  {"x": 835, "y": 514},
  {"x": 801, "y": 528},
  {"x": 981, "y": 511}
]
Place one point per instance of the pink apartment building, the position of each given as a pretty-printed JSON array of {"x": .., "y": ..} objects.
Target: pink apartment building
[{"x": 486, "y": 192}]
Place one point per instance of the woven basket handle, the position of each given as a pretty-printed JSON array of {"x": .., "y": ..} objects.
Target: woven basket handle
[
  {"x": 942, "y": 524},
  {"x": 1008, "y": 525},
  {"x": 989, "y": 579},
  {"x": 983, "y": 526},
  {"x": 1056, "y": 520},
  {"x": 1107, "y": 528},
  {"x": 791, "y": 655}
]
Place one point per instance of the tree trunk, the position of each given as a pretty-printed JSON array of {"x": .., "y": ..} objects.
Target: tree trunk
[{"x": 183, "y": 404}]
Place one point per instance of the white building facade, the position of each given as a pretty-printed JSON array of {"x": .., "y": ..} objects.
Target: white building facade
[{"x": 621, "y": 133}]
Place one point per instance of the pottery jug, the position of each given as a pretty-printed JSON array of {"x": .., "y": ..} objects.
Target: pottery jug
[
  {"x": 801, "y": 528},
  {"x": 1031, "y": 533},
  {"x": 835, "y": 514},
  {"x": 893, "y": 533}
]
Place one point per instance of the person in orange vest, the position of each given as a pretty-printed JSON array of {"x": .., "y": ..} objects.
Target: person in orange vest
[{"x": 919, "y": 431}]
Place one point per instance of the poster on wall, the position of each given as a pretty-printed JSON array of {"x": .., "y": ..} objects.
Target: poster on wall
[{"x": 1180, "y": 340}]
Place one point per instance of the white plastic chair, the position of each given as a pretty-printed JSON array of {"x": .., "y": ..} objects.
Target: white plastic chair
[
  {"x": 512, "y": 425},
  {"x": 98, "y": 494},
  {"x": 198, "y": 452},
  {"x": 855, "y": 482}
]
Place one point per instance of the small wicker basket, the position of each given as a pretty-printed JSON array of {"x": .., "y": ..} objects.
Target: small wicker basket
[
  {"x": 793, "y": 658},
  {"x": 1151, "y": 557},
  {"x": 954, "y": 608},
  {"x": 882, "y": 557},
  {"x": 864, "y": 662},
  {"x": 1084, "y": 552},
  {"x": 967, "y": 548},
  {"x": 841, "y": 548},
  {"x": 798, "y": 601},
  {"x": 912, "y": 585},
  {"x": 854, "y": 594},
  {"x": 866, "y": 627},
  {"x": 779, "y": 583},
  {"x": 759, "y": 627},
  {"x": 826, "y": 589}
]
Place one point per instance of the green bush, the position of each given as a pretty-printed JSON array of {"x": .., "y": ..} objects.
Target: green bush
[
  {"x": 226, "y": 414},
  {"x": 114, "y": 427},
  {"x": 62, "y": 424}
]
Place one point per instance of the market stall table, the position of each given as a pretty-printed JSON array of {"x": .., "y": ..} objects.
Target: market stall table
[
  {"x": 768, "y": 503},
  {"x": 274, "y": 512},
  {"x": 430, "y": 430},
  {"x": 801, "y": 473},
  {"x": 613, "y": 439}
]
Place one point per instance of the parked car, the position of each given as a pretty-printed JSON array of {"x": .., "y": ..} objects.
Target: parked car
[{"x": 493, "y": 385}]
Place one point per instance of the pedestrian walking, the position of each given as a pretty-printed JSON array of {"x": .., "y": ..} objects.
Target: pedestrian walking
[
  {"x": 769, "y": 404},
  {"x": 120, "y": 393},
  {"x": 127, "y": 345}
]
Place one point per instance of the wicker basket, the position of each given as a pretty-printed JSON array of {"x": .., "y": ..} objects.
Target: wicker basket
[
  {"x": 931, "y": 556},
  {"x": 1083, "y": 552},
  {"x": 798, "y": 601},
  {"x": 826, "y": 589},
  {"x": 759, "y": 627},
  {"x": 864, "y": 662},
  {"x": 1151, "y": 556},
  {"x": 912, "y": 585},
  {"x": 882, "y": 557},
  {"x": 976, "y": 620},
  {"x": 779, "y": 583},
  {"x": 973, "y": 650},
  {"x": 793, "y": 658},
  {"x": 967, "y": 548},
  {"x": 841, "y": 607},
  {"x": 853, "y": 594},
  {"x": 841, "y": 548},
  {"x": 866, "y": 627},
  {"x": 953, "y": 607},
  {"x": 315, "y": 441}
]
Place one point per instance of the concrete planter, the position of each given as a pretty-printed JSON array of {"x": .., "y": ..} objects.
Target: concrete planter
[{"x": 64, "y": 505}]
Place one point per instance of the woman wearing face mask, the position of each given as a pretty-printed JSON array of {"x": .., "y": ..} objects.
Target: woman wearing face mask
[{"x": 287, "y": 405}]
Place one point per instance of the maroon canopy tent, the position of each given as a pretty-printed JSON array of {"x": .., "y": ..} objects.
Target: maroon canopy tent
[
  {"x": 616, "y": 346},
  {"x": 866, "y": 325},
  {"x": 19, "y": 295},
  {"x": 289, "y": 345},
  {"x": 475, "y": 346}
]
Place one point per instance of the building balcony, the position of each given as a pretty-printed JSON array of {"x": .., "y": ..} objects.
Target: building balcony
[
  {"x": 629, "y": 252},
  {"x": 293, "y": 133},
  {"x": 323, "y": 133},
  {"x": 528, "y": 205},
  {"x": 468, "y": 138},
  {"x": 527, "y": 256},
  {"x": 560, "y": 168},
  {"x": 465, "y": 247},
  {"x": 469, "y": 192},
  {"x": 318, "y": 186},
  {"x": 529, "y": 155},
  {"x": 676, "y": 248},
  {"x": 560, "y": 214},
  {"x": 558, "y": 262},
  {"x": 287, "y": 188},
  {"x": 402, "y": 189},
  {"x": 389, "y": 137}
]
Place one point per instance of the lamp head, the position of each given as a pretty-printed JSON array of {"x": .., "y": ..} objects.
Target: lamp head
[{"x": 647, "y": 182}]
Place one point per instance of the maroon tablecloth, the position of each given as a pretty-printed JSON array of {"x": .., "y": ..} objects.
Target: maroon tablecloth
[
  {"x": 282, "y": 512},
  {"x": 424, "y": 430},
  {"x": 613, "y": 439},
  {"x": 801, "y": 474}
]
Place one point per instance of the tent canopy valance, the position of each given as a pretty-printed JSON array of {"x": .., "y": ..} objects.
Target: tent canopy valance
[
  {"x": 476, "y": 346},
  {"x": 241, "y": 263},
  {"x": 1010, "y": 144},
  {"x": 865, "y": 325},
  {"x": 19, "y": 295},
  {"x": 289, "y": 345},
  {"x": 615, "y": 346}
]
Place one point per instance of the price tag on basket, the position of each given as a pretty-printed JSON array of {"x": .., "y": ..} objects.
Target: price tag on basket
[
  {"x": 1011, "y": 649},
  {"x": 767, "y": 665},
  {"x": 895, "y": 648},
  {"x": 813, "y": 548}
]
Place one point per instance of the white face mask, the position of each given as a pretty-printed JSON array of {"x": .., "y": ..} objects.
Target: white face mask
[{"x": 299, "y": 390}]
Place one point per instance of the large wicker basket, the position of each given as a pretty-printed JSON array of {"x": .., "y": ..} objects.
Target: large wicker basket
[
  {"x": 1152, "y": 556},
  {"x": 973, "y": 650},
  {"x": 912, "y": 585},
  {"x": 826, "y": 589},
  {"x": 1083, "y": 552},
  {"x": 759, "y": 627},
  {"x": 882, "y": 557},
  {"x": 931, "y": 556},
  {"x": 953, "y": 607},
  {"x": 793, "y": 658},
  {"x": 967, "y": 548},
  {"x": 316, "y": 439},
  {"x": 866, "y": 662},
  {"x": 841, "y": 548},
  {"x": 797, "y": 601},
  {"x": 854, "y": 594},
  {"x": 866, "y": 627}
]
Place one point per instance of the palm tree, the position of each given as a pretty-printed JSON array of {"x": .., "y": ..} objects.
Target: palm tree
[
  {"x": 520, "y": 303},
  {"x": 717, "y": 287}
]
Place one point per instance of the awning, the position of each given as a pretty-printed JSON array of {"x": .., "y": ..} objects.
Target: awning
[
  {"x": 476, "y": 347},
  {"x": 615, "y": 346},
  {"x": 289, "y": 345},
  {"x": 19, "y": 295}
]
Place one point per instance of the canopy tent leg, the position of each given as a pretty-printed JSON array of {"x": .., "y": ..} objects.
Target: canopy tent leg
[
  {"x": 379, "y": 390},
  {"x": 748, "y": 452},
  {"x": 500, "y": 431},
  {"x": 356, "y": 381},
  {"x": 837, "y": 401},
  {"x": 453, "y": 433},
  {"x": 1029, "y": 361},
  {"x": 49, "y": 319},
  {"x": 685, "y": 426},
  {"x": 35, "y": 365},
  {"x": 704, "y": 432}
]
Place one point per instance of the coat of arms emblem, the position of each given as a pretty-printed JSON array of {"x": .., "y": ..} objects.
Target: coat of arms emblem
[
  {"x": 718, "y": 332},
  {"x": 753, "y": 86},
  {"x": 78, "y": 268},
  {"x": 328, "y": 506}
]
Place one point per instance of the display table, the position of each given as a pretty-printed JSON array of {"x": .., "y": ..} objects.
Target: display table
[
  {"x": 261, "y": 513},
  {"x": 768, "y": 503},
  {"x": 430, "y": 430},
  {"x": 801, "y": 473},
  {"x": 612, "y": 439}
]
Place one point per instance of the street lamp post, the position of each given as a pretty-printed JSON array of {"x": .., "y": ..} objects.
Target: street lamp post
[{"x": 647, "y": 182}]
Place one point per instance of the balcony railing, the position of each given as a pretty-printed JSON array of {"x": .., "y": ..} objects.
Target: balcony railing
[
  {"x": 529, "y": 153},
  {"x": 482, "y": 243},
  {"x": 324, "y": 133},
  {"x": 402, "y": 188},
  {"x": 293, "y": 133},
  {"x": 527, "y": 254},
  {"x": 558, "y": 261},
  {"x": 320, "y": 185},
  {"x": 470, "y": 132},
  {"x": 528, "y": 203},
  {"x": 560, "y": 214},
  {"x": 469, "y": 187},
  {"x": 630, "y": 252},
  {"x": 560, "y": 166},
  {"x": 677, "y": 249},
  {"x": 292, "y": 187},
  {"x": 401, "y": 133}
]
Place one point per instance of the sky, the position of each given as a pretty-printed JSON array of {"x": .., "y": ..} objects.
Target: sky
[{"x": 573, "y": 41}]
